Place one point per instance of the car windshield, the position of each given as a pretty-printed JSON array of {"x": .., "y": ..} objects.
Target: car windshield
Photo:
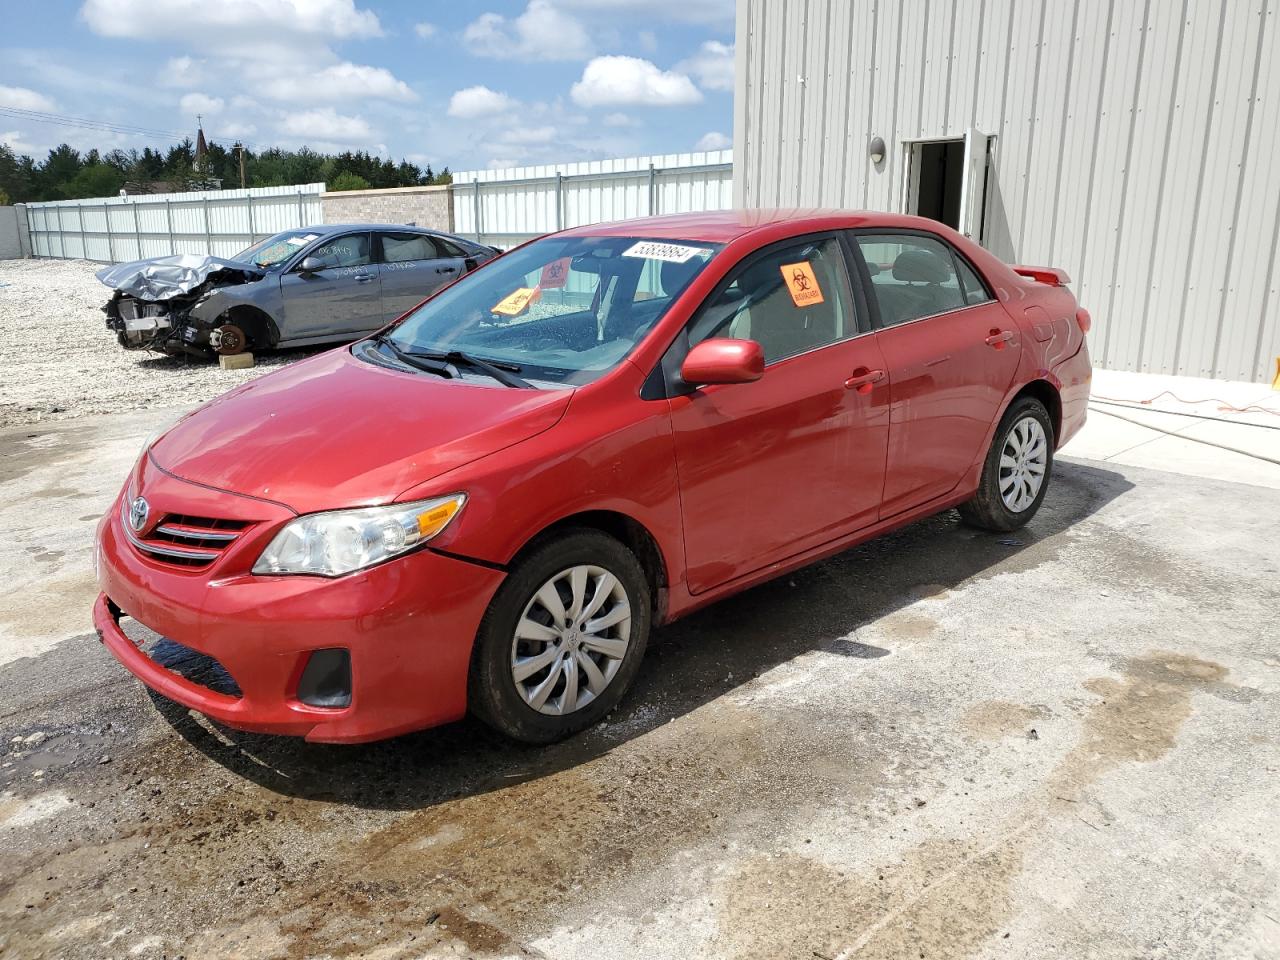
[
  {"x": 272, "y": 252},
  {"x": 562, "y": 310}
]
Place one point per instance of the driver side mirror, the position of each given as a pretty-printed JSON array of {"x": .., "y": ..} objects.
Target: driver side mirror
[
  {"x": 310, "y": 265},
  {"x": 722, "y": 360}
]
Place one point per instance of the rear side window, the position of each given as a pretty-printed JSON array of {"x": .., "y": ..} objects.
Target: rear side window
[
  {"x": 404, "y": 247},
  {"x": 448, "y": 248},
  {"x": 911, "y": 276},
  {"x": 791, "y": 300},
  {"x": 975, "y": 291}
]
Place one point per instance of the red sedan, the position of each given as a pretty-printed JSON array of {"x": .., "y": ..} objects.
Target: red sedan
[{"x": 491, "y": 503}]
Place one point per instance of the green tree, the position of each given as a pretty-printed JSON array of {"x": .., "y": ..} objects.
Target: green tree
[
  {"x": 98, "y": 180},
  {"x": 347, "y": 180},
  {"x": 4, "y": 198}
]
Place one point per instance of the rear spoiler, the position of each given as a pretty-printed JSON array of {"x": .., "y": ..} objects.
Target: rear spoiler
[{"x": 1050, "y": 275}]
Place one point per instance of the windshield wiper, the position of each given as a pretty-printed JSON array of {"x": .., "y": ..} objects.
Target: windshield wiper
[
  {"x": 426, "y": 364},
  {"x": 504, "y": 373}
]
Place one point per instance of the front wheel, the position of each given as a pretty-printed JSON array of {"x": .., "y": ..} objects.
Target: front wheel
[
  {"x": 1015, "y": 475},
  {"x": 562, "y": 639}
]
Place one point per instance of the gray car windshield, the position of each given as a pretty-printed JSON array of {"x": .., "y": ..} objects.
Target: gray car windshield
[
  {"x": 561, "y": 310},
  {"x": 272, "y": 252}
]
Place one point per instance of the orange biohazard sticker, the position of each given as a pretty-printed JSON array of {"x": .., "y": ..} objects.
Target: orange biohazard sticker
[
  {"x": 802, "y": 283},
  {"x": 518, "y": 302},
  {"x": 555, "y": 274}
]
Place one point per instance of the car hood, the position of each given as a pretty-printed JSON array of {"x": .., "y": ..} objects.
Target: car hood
[
  {"x": 334, "y": 431},
  {"x": 163, "y": 277}
]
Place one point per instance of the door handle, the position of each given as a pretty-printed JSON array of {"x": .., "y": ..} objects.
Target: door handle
[
  {"x": 863, "y": 379},
  {"x": 446, "y": 269},
  {"x": 364, "y": 277},
  {"x": 999, "y": 338}
]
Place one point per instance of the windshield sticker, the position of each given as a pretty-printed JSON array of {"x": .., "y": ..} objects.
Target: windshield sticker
[
  {"x": 670, "y": 252},
  {"x": 802, "y": 283},
  {"x": 298, "y": 241},
  {"x": 517, "y": 303},
  {"x": 555, "y": 274}
]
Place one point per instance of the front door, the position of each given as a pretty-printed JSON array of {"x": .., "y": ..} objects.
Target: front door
[
  {"x": 951, "y": 351},
  {"x": 772, "y": 468},
  {"x": 342, "y": 297},
  {"x": 414, "y": 266}
]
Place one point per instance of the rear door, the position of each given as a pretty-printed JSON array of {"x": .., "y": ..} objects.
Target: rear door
[
  {"x": 343, "y": 297},
  {"x": 413, "y": 266},
  {"x": 952, "y": 352}
]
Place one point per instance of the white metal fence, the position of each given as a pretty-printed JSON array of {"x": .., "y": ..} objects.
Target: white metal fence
[
  {"x": 506, "y": 207},
  {"x": 217, "y": 222}
]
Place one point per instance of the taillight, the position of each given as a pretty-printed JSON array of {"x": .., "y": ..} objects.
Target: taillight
[{"x": 1083, "y": 319}]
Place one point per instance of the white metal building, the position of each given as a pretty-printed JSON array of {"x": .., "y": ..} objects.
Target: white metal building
[{"x": 1134, "y": 143}]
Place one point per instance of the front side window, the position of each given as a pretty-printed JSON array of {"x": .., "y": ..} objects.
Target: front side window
[
  {"x": 912, "y": 276},
  {"x": 351, "y": 250},
  {"x": 793, "y": 299},
  {"x": 562, "y": 310}
]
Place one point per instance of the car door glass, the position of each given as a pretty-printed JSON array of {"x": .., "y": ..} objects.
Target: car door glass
[
  {"x": 911, "y": 276},
  {"x": 349, "y": 251},
  {"x": 791, "y": 300},
  {"x": 975, "y": 291},
  {"x": 448, "y": 249},
  {"x": 407, "y": 247}
]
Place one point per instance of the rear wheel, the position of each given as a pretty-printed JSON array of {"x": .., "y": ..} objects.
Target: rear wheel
[
  {"x": 1015, "y": 475},
  {"x": 562, "y": 639}
]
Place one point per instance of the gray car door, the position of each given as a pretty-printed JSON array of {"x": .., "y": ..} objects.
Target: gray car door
[
  {"x": 340, "y": 296},
  {"x": 414, "y": 266}
]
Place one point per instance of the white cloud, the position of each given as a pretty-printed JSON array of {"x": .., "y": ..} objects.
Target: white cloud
[
  {"x": 625, "y": 81},
  {"x": 201, "y": 21},
  {"x": 717, "y": 12},
  {"x": 425, "y": 30},
  {"x": 20, "y": 98},
  {"x": 479, "y": 102},
  {"x": 542, "y": 32},
  {"x": 183, "y": 72},
  {"x": 618, "y": 120},
  {"x": 237, "y": 131},
  {"x": 713, "y": 141},
  {"x": 340, "y": 81},
  {"x": 16, "y": 141},
  {"x": 527, "y": 135},
  {"x": 326, "y": 124},
  {"x": 193, "y": 103},
  {"x": 712, "y": 65}
]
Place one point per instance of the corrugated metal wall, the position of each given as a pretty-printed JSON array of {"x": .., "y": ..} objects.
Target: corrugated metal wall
[
  {"x": 506, "y": 207},
  {"x": 216, "y": 222},
  {"x": 1136, "y": 147}
]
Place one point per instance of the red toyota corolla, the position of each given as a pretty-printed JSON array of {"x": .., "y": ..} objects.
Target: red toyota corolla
[{"x": 491, "y": 503}]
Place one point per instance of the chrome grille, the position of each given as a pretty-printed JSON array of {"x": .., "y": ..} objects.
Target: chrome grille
[{"x": 185, "y": 541}]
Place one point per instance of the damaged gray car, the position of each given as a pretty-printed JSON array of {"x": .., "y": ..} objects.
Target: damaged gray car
[{"x": 313, "y": 285}]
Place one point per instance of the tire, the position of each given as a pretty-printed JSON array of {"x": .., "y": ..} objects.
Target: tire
[
  {"x": 1025, "y": 422},
  {"x": 520, "y": 685}
]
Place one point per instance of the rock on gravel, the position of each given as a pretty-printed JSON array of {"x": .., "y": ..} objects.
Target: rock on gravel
[{"x": 60, "y": 360}]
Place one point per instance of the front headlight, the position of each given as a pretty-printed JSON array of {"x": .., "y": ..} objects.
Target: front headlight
[{"x": 342, "y": 541}]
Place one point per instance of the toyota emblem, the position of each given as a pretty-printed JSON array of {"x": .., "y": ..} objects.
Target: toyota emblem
[{"x": 138, "y": 511}]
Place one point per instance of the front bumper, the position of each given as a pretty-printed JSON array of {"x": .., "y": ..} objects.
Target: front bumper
[{"x": 407, "y": 624}]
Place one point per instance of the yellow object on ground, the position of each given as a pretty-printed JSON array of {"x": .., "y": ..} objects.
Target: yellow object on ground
[{"x": 237, "y": 361}]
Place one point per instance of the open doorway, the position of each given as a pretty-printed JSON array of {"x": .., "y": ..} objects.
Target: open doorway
[{"x": 945, "y": 180}]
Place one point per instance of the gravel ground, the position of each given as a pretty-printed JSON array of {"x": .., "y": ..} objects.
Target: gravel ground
[{"x": 60, "y": 361}]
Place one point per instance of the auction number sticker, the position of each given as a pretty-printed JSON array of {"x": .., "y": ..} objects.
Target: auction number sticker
[
  {"x": 514, "y": 304},
  {"x": 670, "y": 252},
  {"x": 802, "y": 283}
]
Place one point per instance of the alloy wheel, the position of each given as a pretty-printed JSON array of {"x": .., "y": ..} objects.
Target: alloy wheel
[
  {"x": 1023, "y": 461},
  {"x": 571, "y": 639}
]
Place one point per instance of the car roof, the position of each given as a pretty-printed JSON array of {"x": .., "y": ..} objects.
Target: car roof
[
  {"x": 725, "y": 226},
  {"x": 324, "y": 229}
]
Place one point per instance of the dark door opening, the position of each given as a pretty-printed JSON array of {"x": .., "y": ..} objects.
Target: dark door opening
[{"x": 941, "y": 181}]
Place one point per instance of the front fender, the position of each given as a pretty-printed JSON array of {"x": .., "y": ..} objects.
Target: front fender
[{"x": 263, "y": 295}]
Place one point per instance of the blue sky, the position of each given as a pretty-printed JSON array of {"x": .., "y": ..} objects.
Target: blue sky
[{"x": 478, "y": 83}]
